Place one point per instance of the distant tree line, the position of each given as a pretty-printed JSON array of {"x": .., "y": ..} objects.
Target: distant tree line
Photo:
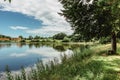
[
  {"x": 4, "y": 36},
  {"x": 62, "y": 37}
]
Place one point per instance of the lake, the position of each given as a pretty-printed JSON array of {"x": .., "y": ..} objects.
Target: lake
[{"x": 16, "y": 55}]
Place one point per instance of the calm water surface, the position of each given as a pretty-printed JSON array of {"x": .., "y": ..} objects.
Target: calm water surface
[{"x": 16, "y": 54}]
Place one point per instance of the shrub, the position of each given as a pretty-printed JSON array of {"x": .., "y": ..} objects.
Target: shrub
[
  {"x": 104, "y": 40},
  {"x": 23, "y": 40},
  {"x": 76, "y": 38},
  {"x": 35, "y": 40},
  {"x": 66, "y": 39},
  {"x": 59, "y": 36}
]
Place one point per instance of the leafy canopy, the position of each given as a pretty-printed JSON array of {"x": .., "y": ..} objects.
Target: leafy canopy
[{"x": 94, "y": 20}]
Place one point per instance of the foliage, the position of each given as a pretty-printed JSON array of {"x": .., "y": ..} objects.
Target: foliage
[
  {"x": 59, "y": 36},
  {"x": 35, "y": 40},
  {"x": 30, "y": 37},
  {"x": 105, "y": 40},
  {"x": 21, "y": 37},
  {"x": 4, "y": 36},
  {"x": 97, "y": 20},
  {"x": 76, "y": 38},
  {"x": 66, "y": 39},
  {"x": 37, "y": 37},
  {"x": 8, "y": 72},
  {"x": 23, "y": 40}
]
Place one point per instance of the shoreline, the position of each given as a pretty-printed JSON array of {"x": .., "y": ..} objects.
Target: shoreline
[{"x": 28, "y": 69}]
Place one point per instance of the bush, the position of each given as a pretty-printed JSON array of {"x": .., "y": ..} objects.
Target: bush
[
  {"x": 76, "y": 38},
  {"x": 59, "y": 36},
  {"x": 35, "y": 40},
  {"x": 23, "y": 40},
  {"x": 105, "y": 40},
  {"x": 66, "y": 39}
]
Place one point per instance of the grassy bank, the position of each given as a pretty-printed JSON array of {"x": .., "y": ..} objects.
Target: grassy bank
[{"x": 87, "y": 63}]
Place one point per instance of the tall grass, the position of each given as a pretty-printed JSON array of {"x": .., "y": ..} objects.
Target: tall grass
[{"x": 80, "y": 66}]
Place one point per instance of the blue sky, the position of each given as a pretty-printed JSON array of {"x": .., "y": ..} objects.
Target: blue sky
[
  {"x": 11, "y": 19},
  {"x": 34, "y": 17}
]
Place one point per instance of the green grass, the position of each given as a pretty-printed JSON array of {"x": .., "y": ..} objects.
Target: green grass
[{"x": 85, "y": 64}]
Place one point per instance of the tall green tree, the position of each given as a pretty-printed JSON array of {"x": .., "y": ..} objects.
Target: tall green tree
[{"x": 93, "y": 18}]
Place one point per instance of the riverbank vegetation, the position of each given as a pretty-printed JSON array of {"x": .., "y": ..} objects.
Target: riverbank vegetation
[
  {"x": 87, "y": 63},
  {"x": 59, "y": 38}
]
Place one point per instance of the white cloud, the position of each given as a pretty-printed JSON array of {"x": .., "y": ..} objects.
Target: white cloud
[
  {"x": 50, "y": 30},
  {"x": 18, "y": 28},
  {"x": 46, "y": 52},
  {"x": 42, "y": 10},
  {"x": 18, "y": 55}
]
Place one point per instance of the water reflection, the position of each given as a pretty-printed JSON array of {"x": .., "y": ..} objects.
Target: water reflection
[
  {"x": 2, "y": 45},
  {"x": 26, "y": 54},
  {"x": 59, "y": 47}
]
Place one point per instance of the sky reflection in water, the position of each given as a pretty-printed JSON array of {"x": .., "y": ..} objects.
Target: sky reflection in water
[{"x": 17, "y": 55}]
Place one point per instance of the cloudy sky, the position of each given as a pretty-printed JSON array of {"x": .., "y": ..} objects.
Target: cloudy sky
[{"x": 32, "y": 17}]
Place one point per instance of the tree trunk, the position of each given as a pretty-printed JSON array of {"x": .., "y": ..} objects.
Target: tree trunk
[{"x": 113, "y": 42}]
